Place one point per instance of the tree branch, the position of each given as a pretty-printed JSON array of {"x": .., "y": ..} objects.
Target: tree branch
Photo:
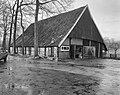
[{"x": 46, "y": 2}]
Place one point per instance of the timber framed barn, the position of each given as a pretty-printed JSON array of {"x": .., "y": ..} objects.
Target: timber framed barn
[{"x": 73, "y": 34}]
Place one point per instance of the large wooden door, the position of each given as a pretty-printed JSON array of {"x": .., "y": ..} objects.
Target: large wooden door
[
  {"x": 72, "y": 51},
  {"x": 79, "y": 51}
]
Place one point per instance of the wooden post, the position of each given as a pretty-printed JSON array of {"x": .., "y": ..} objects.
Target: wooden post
[
  {"x": 74, "y": 51},
  {"x": 58, "y": 48},
  {"x": 70, "y": 47},
  {"x": 52, "y": 51},
  {"x": 99, "y": 50},
  {"x": 38, "y": 50},
  {"x": 17, "y": 50},
  {"x": 29, "y": 49},
  {"x": 25, "y": 50},
  {"x": 45, "y": 51},
  {"x": 82, "y": 52}
]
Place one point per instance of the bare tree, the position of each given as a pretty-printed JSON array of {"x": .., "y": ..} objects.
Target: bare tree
[
  {"x": 36, "y": 29},
  {"x": 22, "y": 27},
  {"x": 15, "y": 26},
  {"x": 42, "y": 7},
  {"x": 115, "y": 46},
  {"x": 12, "y": 11},
  {"x": 107, "y": 42},
  {"x": 5, "y": 20},
  {"x": 112, "y": 45}
]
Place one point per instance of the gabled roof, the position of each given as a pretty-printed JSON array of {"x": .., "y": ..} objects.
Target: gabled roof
[
  {"x": 86, "y": 28},
  {"x": 54, "y": 30}
]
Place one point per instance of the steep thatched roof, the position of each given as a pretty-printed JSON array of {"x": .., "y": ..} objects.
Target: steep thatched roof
[{"x": 54, "y": 29}]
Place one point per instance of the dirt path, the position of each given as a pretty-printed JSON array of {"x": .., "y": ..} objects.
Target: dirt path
[{"x": 21, "y": 76}]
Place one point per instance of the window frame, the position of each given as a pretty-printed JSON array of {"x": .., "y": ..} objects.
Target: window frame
[{"x": 63, "y": 48}]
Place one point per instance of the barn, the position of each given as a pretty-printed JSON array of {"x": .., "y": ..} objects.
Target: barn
[{"x": 72, "y": 34}]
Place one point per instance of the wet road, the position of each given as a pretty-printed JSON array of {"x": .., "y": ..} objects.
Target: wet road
[{"x": 21, "y": 76}]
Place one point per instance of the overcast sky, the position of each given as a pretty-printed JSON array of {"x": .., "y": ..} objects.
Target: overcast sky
[{"x": 106, "y": 14}]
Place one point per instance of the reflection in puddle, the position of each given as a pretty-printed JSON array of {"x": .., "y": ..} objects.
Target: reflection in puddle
[
  {"x": 21, "y": 89},
  {"x": 18, "y": 88},
  {"x": 1, "y": 71},
  {"x": 9, "y": 85},
  {"x": 3, "y": 67}
]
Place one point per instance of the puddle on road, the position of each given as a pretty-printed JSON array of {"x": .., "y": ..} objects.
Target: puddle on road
[
  {"x": 17, "y": 89},
  {"x": 3, "y": 66},
  {"x": 1, "y": 71}
]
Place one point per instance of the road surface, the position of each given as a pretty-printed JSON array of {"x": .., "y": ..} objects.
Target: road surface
[{"x": 25, "y": 76}]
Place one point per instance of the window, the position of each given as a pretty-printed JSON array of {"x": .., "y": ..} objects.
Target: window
[{"x": 65, "y": 48}]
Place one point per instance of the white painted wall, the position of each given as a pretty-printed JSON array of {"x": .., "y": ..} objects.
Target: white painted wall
[
  {"x": 55, "y": 52},
  {"x": 41, "y": 51},
  {"x": 32, "y": 50},
  {"x": 19, "y": 50},
  {"x": 27, "y": 50},
  {"x": 11, "y": 49}
]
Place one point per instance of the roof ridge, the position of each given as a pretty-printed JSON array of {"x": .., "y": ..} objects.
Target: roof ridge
[{"x": 61, "y": 13}]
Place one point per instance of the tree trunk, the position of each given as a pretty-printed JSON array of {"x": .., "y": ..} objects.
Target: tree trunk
[
  {"x": 23, "y": 40},
  {"x": 5, "y": 18},
  {"x": 15, "y": 28},
  {"x": 115, "y": 54},
  {"x": 36, "y": 30},
  {"x": 4, "y": 40},
  {"x": 22, "y": 30},
  {"x": 11, "y": 26}
]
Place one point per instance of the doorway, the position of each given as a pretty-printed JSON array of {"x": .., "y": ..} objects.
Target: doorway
[{"x": 79, "y": 50}]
